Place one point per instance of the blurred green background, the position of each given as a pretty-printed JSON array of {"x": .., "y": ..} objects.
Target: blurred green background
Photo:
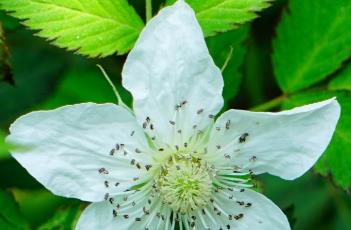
[{"x": 36, "y": 75}]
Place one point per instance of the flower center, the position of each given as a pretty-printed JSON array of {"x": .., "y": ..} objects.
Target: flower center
[{"x": 185, "y": 183}]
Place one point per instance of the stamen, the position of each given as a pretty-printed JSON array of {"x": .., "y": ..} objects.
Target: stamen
[{"x": 185, "y": 185}]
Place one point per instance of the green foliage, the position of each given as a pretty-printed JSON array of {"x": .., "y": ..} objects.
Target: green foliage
[
  {"x": 11, "y": 217},
  {"x": 64, "y": 218},
  {"x": 342, "y": 81},
  {"x": 90, "y": 27},
  {"x": 337, "y": 158},
  {"x": 220, "y": 48},
  {"x": 313, "y": 39},
  {"x": 222, "y": 15}
]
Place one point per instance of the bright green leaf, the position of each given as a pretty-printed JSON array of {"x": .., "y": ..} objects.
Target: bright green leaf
[
  {"x": 222, "y": 15},
  {"x": 63, "y": 219},
  {"x": 337, "y": 158},
  {"x": 220, "y": 47},
  {"x": 313, "y": 39},
  {"x": 90, "y": 27},
  {"x": 342, "y": 81},
  {"x": 11, "y": 217}
]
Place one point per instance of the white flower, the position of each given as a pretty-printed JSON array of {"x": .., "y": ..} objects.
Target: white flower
[{"x": 171, "y": 162}]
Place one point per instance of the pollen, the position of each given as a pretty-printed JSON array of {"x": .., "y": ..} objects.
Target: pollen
[{"x": 185, "y": 183}]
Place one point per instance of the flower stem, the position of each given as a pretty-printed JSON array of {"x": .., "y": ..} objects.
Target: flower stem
[
  {"x": 270, "y": 104},
  {"x": 148, "y": 9}
]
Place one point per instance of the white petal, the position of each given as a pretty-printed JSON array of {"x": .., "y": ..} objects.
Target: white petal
[
  {"x": 68, "y": 146},
  {"x": 244, "y": 211},
  {"x": 285, "y": 144},
  {"x": 170, "y": 65},
  {"x": 106, "y": 215}
]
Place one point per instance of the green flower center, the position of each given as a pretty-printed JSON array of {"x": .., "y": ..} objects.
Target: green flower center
[{"x": 185, "y": 183}]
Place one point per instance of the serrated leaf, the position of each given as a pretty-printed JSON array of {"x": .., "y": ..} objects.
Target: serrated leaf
[
  {"x": 11, "y": 217},
  {"x": 342, "y": 81},
  {"x": 64, "y": 218},
  {"x": 220, "y": 46},
  {"x": 336, "y": 160},
  {"x": 90, "y": 27},
  {"x": 222, "y": 15},
  {"x": 313, "y": 39}
]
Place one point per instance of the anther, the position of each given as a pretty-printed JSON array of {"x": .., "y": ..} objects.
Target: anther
[
  {"x": 137, "y": 151},
  {"x": 243, "y": 137},
  {"x": 227, "y": 124},
  {"x": 253, "y": 158},
  {"x": 147, "y": 167},
  {"x": 103, "y": 171}
]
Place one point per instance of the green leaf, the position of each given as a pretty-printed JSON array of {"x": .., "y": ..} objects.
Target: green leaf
[
  {"x": 313, "y": 39},
  {"x": 11, "y": 217},
  {"x": 337, "y": 158},
  {"x": 342, "y": 81},
  {"x": 222, "y": 15},
  {"x": 90, "y": 27},
  {"x": 220, "y": 47},
  {"x": 64, "y": 218}
]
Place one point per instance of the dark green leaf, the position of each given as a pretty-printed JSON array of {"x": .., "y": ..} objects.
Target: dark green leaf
[{"x": 313, "y": 39}]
